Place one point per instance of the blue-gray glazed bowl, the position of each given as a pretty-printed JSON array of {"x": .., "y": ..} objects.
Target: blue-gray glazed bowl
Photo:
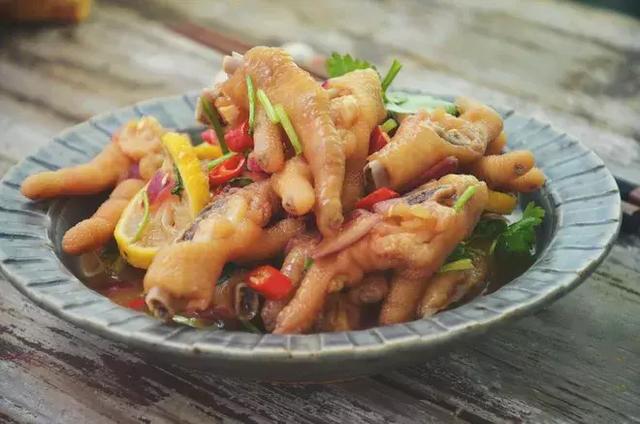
[{"x": 580, "y": 197}]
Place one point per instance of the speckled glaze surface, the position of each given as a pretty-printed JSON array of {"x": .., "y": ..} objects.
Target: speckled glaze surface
[{"x": 583, "y": 216}]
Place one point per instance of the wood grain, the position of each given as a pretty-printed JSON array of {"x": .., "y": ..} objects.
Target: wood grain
[{"x": 576, "y": 361}]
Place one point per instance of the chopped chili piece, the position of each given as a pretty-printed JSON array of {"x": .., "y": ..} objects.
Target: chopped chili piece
[
  {"x": 227, "y": 170},
  {"x": 378, "y": 139},
  {"x": 137, "y": 304},
  {"x": 379, "y": 195},
  {"x": 238, "y": 138},
  {"x": 209, "y": 136},
  {"x": 269, "y": 282}
]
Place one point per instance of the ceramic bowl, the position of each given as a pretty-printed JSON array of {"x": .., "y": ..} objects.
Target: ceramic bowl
[{"x": 580, "y": 197}]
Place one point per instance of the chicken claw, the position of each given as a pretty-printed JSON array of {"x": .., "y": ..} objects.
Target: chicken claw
[
  {"x": 228, "y": 228},
  {"x": 96, "y": 231},
  {"x": 307, "y": 105},
  {"x": 414, "y": 239},
  {"x": 101, "y": 173}
]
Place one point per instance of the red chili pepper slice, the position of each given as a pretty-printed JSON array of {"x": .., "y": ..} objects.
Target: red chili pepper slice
[
  {"x": 269, "y": 282},
  {"x": 379, "y": 195},
  {"x": 227, "y": 170},
  {"x": 137, "y": 304},
  {"x": 238, "y": 138},
  {"x": 446, "y": 166},
  {"x": 209, "y": 136},
  {"x": 378, "y": 139}
]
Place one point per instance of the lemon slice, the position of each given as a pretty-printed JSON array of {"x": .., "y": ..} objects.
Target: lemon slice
[{"x": 138, "y": 249}]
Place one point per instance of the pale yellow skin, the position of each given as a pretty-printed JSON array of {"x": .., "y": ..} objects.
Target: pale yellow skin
[
  {"x": 424, "y": 139},
  {"x": 101, "y": 173},
  {"x": 307, "y": 105},
  {"x": 294, "y": 186},
  {"x": 356, "y": 111},
  {"x": 498, "y": 171},
  {"x": 413, "y": 251},
  {"x": 96, "y": 231}
]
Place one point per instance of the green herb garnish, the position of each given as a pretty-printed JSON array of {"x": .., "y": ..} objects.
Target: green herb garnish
[
  {"x": 461, "y": 251},
  {"x": 217, "y": 161},
  {"x": 268, "y": 107},
  {"x": 145, "y": 217},
  {"x": 338, "y": 65},
  {"x": 409, "y": 103},
  {"x": 397, "y": 97},
  {"x": 389, "y": 125},
  {"x": 288, "y": 128},
  {"x": 178, "y": 187},
  {"x": 489, "y": 229},
  {"x": 240, "y": 182},
  {"x": 464, "y": 198},
  {"x": 214, "y": 119},
  {"x": 459, "y": 265},
  {"x": 191, "y": 321},
  {"x": 308, "y": 262},
  {"x": 251, "y": 94},
  {"x": 520, "y": 237},
  {"x": 391, "y": 74},
  {"x": 248, "y": 325}
]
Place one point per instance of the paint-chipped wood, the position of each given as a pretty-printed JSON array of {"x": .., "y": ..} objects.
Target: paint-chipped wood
[{"x": 576, "y": 361}]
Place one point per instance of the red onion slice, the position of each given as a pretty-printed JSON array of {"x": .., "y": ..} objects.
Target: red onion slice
[
  {"x": 158, "y": 182},
  {"x": 134, "y": 171},
  {"x": 384, "y": 206},
  {"x": 359, "y": 224}
]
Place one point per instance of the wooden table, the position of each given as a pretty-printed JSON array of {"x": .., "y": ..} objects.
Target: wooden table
[{"x": 576, "y": 361}]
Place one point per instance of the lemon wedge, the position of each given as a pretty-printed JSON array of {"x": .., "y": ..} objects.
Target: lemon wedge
[{"x": 137, "y": 233}]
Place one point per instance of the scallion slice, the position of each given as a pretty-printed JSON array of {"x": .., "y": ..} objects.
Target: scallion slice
[
  {"x": 391, "y": 74},
  {"x": 459, "y": 265},
  {"x": 145, "y": 217},
  {"x": 221, "y": 159},
  {"x": 388, "y": 125},
  {"x": 251, "y": 94},
  {"x": 268, "y": 107},
  {"x": 462, "y": 200},
  {"x": 288, "y": 128},
  {"x": 214, "y": 119}
]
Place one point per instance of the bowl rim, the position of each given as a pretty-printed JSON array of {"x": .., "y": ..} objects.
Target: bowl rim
[{"x": 585, "y": 221}]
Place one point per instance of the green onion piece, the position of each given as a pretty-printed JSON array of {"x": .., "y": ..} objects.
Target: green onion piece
[
  {"x": 393, "y": 71},
  {"x": 388, "y": 125},
  {"x": 214, "y": 119},
  {"x": 459, "y": 265},
  {"x": 221, "y": 159},
  {"x": 268, "y": 107},
  {"x": 288, "y": 128},
  {"x": 251, "y": 93},
  {"x": 250, "y": 326},
  {"x": 462, "y": 200},
  {"x": 145, "y": 217},
  {"x": 191, "y": 322},
  {"x": 308, "y": 262},
  {"x": 240, "y": 182},
  {"x": 179, "y": 184}
]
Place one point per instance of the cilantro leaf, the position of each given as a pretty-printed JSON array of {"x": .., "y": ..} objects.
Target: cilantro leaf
[
  {"x": 520, "y": 237},
  {"x": 179, "y": 185},
  {"x": 489, "y": 229},
  {"x": 461, "y": 251},
  {"x": 338, "y": 65}
]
